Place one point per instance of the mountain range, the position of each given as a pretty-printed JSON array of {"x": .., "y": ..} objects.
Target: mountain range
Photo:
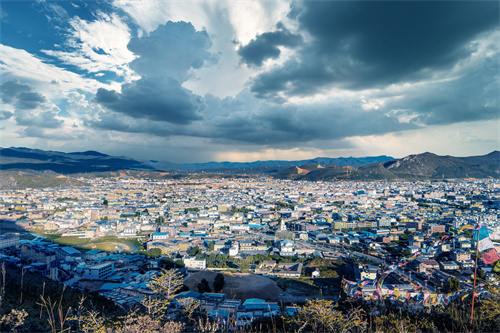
[
  {"x": 93, "y": 161},
  {"x": 413, "y": 167}
]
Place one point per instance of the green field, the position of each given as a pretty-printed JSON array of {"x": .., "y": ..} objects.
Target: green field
[
  {"x": 107, "y": 246},
  {"x": 106, "y": 243},
  {"x": 72, "y": 241}
]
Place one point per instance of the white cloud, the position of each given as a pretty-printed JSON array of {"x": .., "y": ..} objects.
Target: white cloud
[
  {"x": 52, "y": 81},
  {"x": 225, "y": 22},
  {"x": 98, "y": 46}
]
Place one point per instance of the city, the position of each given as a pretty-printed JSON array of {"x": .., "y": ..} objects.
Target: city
[
  {"x": 249, "y": 166},
  {"x": 115, "y": 234}
]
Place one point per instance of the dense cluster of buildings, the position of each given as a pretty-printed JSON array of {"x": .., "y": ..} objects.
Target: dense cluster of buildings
[{"x": 383, "y": 221}]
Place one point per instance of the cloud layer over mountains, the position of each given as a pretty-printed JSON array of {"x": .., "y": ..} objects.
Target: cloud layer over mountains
[{"x": 203, "y": 81}]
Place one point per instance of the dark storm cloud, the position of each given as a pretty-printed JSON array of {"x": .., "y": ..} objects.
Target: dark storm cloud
[
  {"x": 29, "y": 100},
  {"x": 11, "y": 89},
  {"x": 165, "y": 58},
  {"x": 277, "y": 125},
  {"x": 21, "y": 95},
  {"x": 471, "y": 97},
  {"x": 364, "y": 44},
  {"x": 4, "y": 115},
  {"x": 31, "y": 107},
  {"x": 113, "y": 121},
  {"x": 162, "y": 99},
  {"x": 265, "y": 46},
  {"x": 247, "y": 120}
]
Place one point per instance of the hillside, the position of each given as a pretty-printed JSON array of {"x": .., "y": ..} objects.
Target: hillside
[
  {"x": 66, "y": 163},
  {"x": 95, "y": 162},
  {"x": 413, "y": 167}
]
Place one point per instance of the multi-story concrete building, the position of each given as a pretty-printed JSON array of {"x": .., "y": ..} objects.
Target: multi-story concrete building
[
  {"x": 460, "y": 255},
  {"x": 9, "y": 240},
  {"x": 195, "y": 263},
  {"x": 99, "y": 272}
]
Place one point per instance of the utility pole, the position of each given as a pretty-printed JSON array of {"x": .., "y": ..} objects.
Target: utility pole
[{"x": 475, "y": 275}]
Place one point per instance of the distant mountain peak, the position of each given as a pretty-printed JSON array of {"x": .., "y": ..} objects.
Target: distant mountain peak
[{"x": 89, "y": 153}]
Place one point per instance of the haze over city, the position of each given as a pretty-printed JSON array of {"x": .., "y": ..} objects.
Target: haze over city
[{"x": 250, "y": 80}]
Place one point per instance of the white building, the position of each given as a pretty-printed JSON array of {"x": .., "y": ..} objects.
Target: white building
[
  {"x": 234, "y": 249},
  {"x": 160, "y": 235},
  {"x": 286, "y": 248},
  {"x": 195, "y": 263}
]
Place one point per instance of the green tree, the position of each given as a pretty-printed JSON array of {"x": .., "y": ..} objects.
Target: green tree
[
  {"x": 155, "y": 253},
  {"x": 160, "y": 220},
  {"x": 169, "y": 263},
  {"x": 468, "y": 234},
  {"x": 452, "y": 285},
  {"x": 105, "y": 202},
  {"x": 210, "y": 246},
  {"x": 203, "y": 287},
  {"x": 218, "y": 282},
  {"x": 194, "y": 251}
]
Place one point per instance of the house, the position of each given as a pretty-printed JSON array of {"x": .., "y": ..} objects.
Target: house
[
  {"x": 368, "y": 272},
  {"x": 427, "y": 263},
  {"x": 460, "y": 255},
  {"x": 445, "y": 247},
  {"x": 448, "y": 265},
  {"x": 95, "y": 254},
  {"x": 465, "y": 245},
  {"x": 413, "y": 249},
  {"x": 351, "y": 240},
  {"x": 416, "y": 236},
  {"x": 334, "y": 239},
  {"x": 433, "y": 228},
  {"x": 317, "y": 235},
  {"x": 187, "y": 297},
  {"x": 466, "y": 264},
  {"x": 303, "y": 235},
  {"x": 129, "y": 231},
  {"x": 68, "y": 253},
  {"x": 222, "y": 245}
]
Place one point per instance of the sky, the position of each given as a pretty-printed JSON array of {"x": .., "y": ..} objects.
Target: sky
[{"x": 197, "y": 81}]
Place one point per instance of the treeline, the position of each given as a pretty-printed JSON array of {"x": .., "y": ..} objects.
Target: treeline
[{"x": 226, "y": 261}]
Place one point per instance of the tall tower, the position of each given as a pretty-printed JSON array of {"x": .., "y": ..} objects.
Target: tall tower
[{"x": 282, "y": 226}]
